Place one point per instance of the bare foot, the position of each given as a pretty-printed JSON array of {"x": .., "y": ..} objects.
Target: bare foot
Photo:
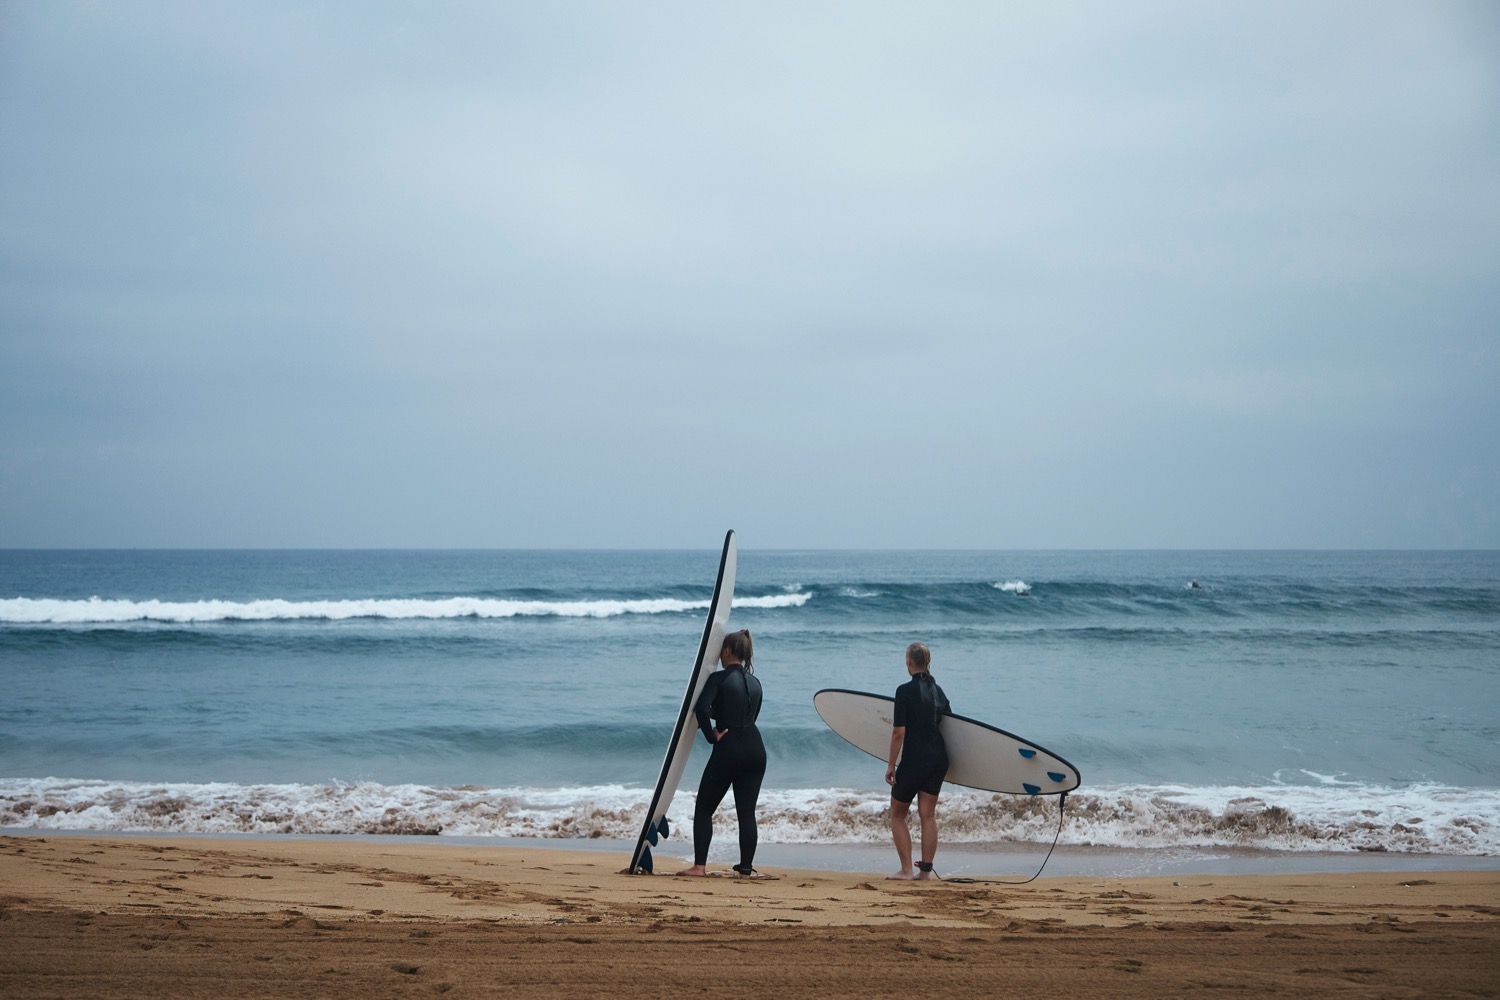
[
  {"x": 905, "y": 875},
  {"x": 926, "y": 876},
  {"x": 695, "y": 870}
]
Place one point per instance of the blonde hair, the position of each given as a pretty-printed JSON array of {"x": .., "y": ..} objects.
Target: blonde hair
[{"x": 919, "y": 655}]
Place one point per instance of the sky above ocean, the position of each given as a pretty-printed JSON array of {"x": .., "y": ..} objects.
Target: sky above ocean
[{"x": 847, "y": 275}]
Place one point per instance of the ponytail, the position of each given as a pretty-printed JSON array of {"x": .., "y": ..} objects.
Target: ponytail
[{"x": 740, "y": 645}]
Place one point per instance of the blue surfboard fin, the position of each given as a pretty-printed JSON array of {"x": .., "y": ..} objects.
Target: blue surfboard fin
[
  {"x": 1059, "y": 778},
  {"x": 666, "y": 831},
  {"x": 651, "y": 835},
  {"x": 1031, "y": 789},
  {"x": 645, "y": 864},
  {"x": 1027, "y": 752}
]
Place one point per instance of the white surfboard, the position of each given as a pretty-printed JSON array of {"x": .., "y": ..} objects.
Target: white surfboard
[
  {"x": 979, "y": 755},
  {"x": 681, "y": 745}
]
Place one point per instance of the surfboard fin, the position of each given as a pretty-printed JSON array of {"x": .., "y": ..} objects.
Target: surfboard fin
[
  {"x": 646, "y": 865},
  {"x": 1030, "y": 788},
  {"x": 1059, "y": 778},
  {"x": 651, "y": 836},
  {"x": 1027, "y": 752},
  {"x": 666, "y": 831}
]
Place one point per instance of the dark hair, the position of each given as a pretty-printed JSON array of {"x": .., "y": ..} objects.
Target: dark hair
[{"x": 739, "y": 644}]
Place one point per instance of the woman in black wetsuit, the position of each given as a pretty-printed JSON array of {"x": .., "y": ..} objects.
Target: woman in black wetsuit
[
  {"x": 732, "y": 699},
  {"x": 918, "y": 746}
]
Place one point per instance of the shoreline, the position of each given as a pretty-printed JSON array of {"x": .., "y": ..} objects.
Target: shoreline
[
  {"x": 1004, "y": 860},
  {"x": 126, "y": 915}
]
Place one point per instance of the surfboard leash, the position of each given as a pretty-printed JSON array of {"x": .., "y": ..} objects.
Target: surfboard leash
[{"x": 1062, "y": 804}]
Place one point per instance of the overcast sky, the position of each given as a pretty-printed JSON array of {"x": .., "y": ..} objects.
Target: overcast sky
[{"x": 861, "y": 275}]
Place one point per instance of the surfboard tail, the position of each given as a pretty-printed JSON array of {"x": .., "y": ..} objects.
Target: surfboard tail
[{"x": 656, "y": 832}]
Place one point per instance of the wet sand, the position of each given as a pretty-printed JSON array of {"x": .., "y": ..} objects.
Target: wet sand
[{"x": 102, "y": 916}]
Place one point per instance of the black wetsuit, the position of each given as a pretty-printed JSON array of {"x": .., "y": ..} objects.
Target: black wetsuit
[
  {"x": 732, "y": 699},
  {"x": 920, "y": 704}
]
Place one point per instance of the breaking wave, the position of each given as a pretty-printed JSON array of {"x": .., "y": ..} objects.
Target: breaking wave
[
  {"x": 95, "y": 610},
  {"x": 1425, "y": 819}
]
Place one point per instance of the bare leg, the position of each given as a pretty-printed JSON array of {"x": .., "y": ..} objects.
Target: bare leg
[
  {"x": 927, "y": 813},
  {"x": 901, "y": 834}
]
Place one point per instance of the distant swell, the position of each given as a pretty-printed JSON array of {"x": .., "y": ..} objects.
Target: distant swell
[
  {"x": 33, "y": 611},
  {"x": 1214, "y": 606},
  {"x": 1422, "y": 819}
]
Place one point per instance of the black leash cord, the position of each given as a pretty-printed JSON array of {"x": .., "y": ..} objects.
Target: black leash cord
[{"x": 1061, "y": 809}]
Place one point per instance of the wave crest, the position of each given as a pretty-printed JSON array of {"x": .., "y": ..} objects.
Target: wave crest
[{"x": 95, "y": 610}]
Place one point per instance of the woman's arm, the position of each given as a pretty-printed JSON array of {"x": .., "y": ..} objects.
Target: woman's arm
[
  {"x": 898, "y": 738},
  {"x": 705, "y": 704}
]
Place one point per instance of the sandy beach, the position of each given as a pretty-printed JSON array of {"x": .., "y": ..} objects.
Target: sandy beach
[{"x": 85, "y": 916}]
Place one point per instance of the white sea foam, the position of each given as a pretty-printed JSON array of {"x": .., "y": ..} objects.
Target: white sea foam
[
  {"x": 95, "y": 610},
  {"x": 337, "y": 808},
  {"x": 858, "y": 593},
  {"x": 1018, "y": 587},
  {"x": 772, "y": 601},
  {"x": 1418, "y": 819},
  {"x": 1425, "y": 819}
]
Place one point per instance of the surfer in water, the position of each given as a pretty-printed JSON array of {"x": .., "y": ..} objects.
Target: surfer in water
[
  {"x": 731, "y": 698},
  {"x": 918, "y": 761}
]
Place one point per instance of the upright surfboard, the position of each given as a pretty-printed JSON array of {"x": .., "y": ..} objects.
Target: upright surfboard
[
  {"x": 681, "y": 745},
  {"x": 979, "y": 755}
]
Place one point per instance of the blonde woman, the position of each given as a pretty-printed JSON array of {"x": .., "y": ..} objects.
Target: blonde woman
[{"x": 918, "y": 761}]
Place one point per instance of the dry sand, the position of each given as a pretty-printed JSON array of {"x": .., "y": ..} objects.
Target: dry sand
[{"x": 100, "y": 916}]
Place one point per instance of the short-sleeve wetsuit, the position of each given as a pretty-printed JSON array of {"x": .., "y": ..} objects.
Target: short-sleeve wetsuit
[
  {"x": 920, "y": 705},
  {"x": 732, "y": 699}
]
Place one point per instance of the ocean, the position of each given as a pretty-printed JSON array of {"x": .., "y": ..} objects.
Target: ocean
[{"x": 1281, "y": 702}]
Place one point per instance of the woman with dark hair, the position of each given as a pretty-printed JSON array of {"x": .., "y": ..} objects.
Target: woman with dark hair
[
  {"x": 923, "y": 761},
  {"x": 731, "y": 698}
]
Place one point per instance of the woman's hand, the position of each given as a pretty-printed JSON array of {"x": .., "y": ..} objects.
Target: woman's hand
[
  {"x": 719, "y": 735},
  {"x": 898, "y": 739}
]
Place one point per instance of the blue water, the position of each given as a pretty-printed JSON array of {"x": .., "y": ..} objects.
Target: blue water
[{"x": 506, "y": 692}]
